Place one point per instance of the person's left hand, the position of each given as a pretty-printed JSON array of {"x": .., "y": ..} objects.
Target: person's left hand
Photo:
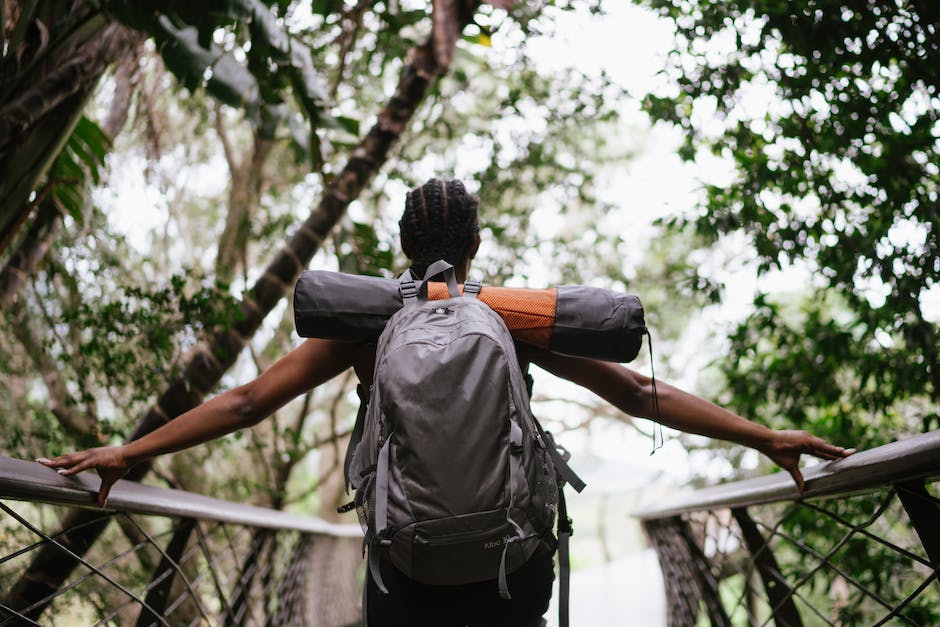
[{"x": 786, "y": 447}]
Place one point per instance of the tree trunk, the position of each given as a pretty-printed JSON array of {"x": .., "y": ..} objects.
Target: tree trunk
[
  {"x": 81, "y": 425},
  {"x": 209, "y": 362},
  {"x": 48, "y": 218},
  {"x": 24, "y": 262},
  {"x": 46, "y": 86},
  {"x": 245, "y": 188}
]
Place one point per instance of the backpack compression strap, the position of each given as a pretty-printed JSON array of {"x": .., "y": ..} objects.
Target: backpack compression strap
[
  {"x": 560, "y": 462},
  {"x": 565, "y": 529},
  {"x": 380, "y": 536},
  {"x": 515, "y": 448}
]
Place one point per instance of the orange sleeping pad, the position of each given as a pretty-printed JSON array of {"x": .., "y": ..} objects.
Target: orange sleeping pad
[
  {"x": 571, "y": 320},
  {"x": 529, "y": 314}
]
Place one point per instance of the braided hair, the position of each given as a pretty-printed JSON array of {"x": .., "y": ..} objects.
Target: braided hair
[{"x": 440, "y": 222}]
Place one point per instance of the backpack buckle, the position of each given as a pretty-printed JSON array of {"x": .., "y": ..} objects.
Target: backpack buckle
[
  {"x": 472, "y": 288},
  {"x": 408, "y": 290}
]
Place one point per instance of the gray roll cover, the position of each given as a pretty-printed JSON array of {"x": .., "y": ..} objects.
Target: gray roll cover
[
  {"x": 342, "y": 306},
  {"x": 597, "y": 323},
  {"x": 589, "y": 321}
]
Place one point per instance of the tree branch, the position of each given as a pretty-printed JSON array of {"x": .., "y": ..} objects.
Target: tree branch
[
  {"x": 83, "y": 427},
  {"x": 233, "y": 165},
  {"x": 347, "y": 39}
]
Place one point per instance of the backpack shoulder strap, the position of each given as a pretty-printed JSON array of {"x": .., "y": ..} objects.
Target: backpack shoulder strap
[
  {"x": 527, "y": 376},
  {"x": 564, "y": 561}
]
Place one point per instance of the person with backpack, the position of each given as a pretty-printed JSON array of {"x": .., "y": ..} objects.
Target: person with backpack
[{"x": 440, "y": 222}]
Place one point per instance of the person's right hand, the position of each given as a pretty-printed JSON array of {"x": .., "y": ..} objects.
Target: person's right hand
[{"x": 109, "y": 461}]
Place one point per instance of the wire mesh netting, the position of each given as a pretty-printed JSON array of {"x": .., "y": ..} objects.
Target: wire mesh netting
[
  {"x": 862, "y": 559},
  {"x": 154, "y": 570}
]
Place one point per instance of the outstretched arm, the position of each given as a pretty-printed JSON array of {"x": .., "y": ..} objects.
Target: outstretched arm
[
  {"x": 307, "y": 366},
  {"x": 632, "y": 393}
]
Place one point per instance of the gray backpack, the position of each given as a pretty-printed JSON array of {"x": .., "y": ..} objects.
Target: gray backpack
[{"x": 456, "y": 482}]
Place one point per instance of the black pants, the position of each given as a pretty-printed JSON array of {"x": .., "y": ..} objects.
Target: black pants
[{"x": 412, "y": 604}]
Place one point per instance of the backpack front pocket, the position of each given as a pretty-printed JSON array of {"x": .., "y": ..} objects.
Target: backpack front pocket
[{"x": 463, "y": 549}]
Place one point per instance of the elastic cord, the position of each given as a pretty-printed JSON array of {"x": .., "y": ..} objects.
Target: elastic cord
[{"x": 657, "y": 426}]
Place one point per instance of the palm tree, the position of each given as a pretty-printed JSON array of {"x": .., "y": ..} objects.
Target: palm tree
[{"x": 54, "y": 56}]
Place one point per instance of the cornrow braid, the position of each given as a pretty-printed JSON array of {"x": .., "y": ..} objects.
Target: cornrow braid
[{"x": 440, "y": 222}]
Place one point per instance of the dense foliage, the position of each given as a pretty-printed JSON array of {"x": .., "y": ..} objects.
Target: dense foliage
[
  {"x": 828, "y": 116},
  {"x": 829, "y": 113}
]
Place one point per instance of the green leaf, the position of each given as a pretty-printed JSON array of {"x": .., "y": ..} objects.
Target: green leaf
[
  {"x": 65, "y": 167},
  {"x": 402, "y": 19},
  {"x": 480, "y": 38},
  {"x": 277, "y": 62},
  {"x": 340, "y": 122},
  {"x": 93, "y": 138},
  {"x": 350, "y": 124},
  {"x": 71, "y": 200},
  {"x": 326, "y": 7},
  {"x": 300, "y": 134},
  {"x": 184, "y": 56}
]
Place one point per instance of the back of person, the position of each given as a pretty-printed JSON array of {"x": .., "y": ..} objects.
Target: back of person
[
  {"x": 414, "y": 604},
  {"x": 455, "y": 486}
]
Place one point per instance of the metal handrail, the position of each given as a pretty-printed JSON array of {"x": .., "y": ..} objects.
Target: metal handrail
[
  {"x": 758, "y": 550},
  {"x": 174, "y": 557},
  {"x": 917, "y": 457},
  {"x": 30, "y": 481}
]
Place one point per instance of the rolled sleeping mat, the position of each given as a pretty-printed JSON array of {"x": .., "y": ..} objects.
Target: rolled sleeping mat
[{"x": 575, "y": 320}]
